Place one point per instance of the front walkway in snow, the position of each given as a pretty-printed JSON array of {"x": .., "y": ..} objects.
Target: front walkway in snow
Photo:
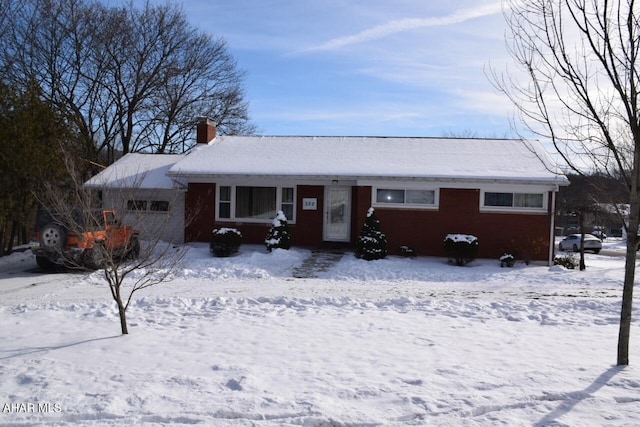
[{"x": 319, "y": 261}]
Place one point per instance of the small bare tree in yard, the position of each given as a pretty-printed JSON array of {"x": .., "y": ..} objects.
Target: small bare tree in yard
[
  {"x": 581, "y": 93},
  {"x": 75, "y": 232}
]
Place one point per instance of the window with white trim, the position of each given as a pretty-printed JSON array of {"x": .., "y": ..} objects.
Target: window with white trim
[
  {"x": 253, "y": 203},
  {"x": 287, "y": 203},
  {"x": 522, "y": 201},
  {"x": 399, "y": 197}
]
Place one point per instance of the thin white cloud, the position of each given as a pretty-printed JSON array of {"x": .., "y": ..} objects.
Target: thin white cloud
[{"x": 402, "y": 25}]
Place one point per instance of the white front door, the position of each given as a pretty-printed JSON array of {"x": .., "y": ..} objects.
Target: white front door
[{"x": 337, "y": 214}]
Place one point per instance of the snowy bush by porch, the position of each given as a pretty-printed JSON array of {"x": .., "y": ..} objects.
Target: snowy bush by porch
[
  {"x": 461, "y": 248},
  {"x": 372, "y": 243},
  {"x": 507, "y": 260},
  {"x": 278, "y": 236},
  {"x": 225, "y": 241},
  {"x": 408, "y": 252}
]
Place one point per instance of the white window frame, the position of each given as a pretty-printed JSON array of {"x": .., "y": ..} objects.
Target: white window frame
[
  {"x": 514, "y": 209},
  {"x": 376, "y": 203},
  {"x": 233, "y": 217}
]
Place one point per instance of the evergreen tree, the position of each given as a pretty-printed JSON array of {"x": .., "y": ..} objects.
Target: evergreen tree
[
  {"x": 34, "y": 140},
  {"x": 279, "y": 235},
  {"x": 372, "y": 243}
]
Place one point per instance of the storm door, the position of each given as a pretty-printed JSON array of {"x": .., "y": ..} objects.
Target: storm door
[{"x": 337, "y": 214}]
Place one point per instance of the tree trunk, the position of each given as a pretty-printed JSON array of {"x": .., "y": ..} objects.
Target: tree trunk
[
  {"x": 122, "y": 310},
  {"x": 630, "y": 264},
  {"x": 2, "y": 233},
  {"x": 583, "y": 266},
  {"x": 23, "y": 234},
  {"x": 12, "y": 236},
  {"x": 627, "y": 302},
  {"x": 123, "y": 318}
]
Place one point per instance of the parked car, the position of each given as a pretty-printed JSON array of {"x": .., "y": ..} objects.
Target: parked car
[
  {"x": 82, "y": 238},
  {"x": 572, "y": 243},
  {"x": 599, "y": 232}
]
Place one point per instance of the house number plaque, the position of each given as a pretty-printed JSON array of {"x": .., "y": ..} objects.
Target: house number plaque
[{"x": 309, "y": 204}]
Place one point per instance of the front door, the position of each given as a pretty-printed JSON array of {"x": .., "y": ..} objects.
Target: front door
[{"x": 337, "y": 214}]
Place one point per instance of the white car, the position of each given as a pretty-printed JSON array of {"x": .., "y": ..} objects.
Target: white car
[{"x": 572, "y": 243}]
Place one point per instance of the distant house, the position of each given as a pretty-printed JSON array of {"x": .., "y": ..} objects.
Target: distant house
[
  {"x": 502, "y": 191},
  {"x": 602, "y": 200}
]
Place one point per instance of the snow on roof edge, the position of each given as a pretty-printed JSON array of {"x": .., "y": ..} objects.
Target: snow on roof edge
[{"x": 137, "y": 170}]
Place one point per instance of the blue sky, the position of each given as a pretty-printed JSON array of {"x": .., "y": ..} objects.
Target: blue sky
[{"x": 365, "y": 67}]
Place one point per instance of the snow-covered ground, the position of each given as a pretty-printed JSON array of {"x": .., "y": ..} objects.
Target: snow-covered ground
[{"x": 239, "y": 341}]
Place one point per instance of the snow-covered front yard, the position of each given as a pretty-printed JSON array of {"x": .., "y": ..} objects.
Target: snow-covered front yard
[{"x": 239, "y": 341}]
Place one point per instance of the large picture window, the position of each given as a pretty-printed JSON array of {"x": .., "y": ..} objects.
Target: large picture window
[
  {"x": 525, "y": 201},
  {"x": 255, "y": 204},
  {"x": 421, "y": 198}
]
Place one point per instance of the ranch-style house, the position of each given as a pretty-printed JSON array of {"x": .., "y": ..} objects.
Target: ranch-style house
[{"x": 503, "y": 191}]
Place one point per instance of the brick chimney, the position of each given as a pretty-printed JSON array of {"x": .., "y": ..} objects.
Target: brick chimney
[{"x": 205, "y": 131}]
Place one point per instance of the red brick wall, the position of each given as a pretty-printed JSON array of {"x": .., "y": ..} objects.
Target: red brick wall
[
  {"x": 251, "y": 233},
  {"x": 525, "y": 235},
  {"x": 361, "y": 202},
  {"x": 459, "y": 212}
]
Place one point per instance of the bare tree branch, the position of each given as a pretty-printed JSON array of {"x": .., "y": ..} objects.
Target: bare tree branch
[{"x": 580, "y": 93}]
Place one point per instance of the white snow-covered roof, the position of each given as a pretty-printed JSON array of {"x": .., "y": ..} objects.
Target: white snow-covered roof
[
  {"x": 371, "y": 157},
  {"x": 137, "y": 170}
]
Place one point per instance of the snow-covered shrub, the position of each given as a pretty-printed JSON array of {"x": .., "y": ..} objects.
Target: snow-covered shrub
[
  {"x": 507, "y": 260},
  {"x": 372, "y": 243},
  {"x": 568, "y": 261},
  {"x": 225, "y": 241},
  {"x": 461, "y": 248},
  {"x": 408, "y": 252},
  {"x": 278, "y": 236}
]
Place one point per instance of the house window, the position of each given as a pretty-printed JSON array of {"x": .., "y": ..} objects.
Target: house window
[
  {"x": 389, "y": 196},
  {"x": 255, "y": 204},
  {"x": 526, "y": 201},
  {"x": 159, "y": 206},
  {"x": 224, "y": 203},
  {"x": 136, "y": 205},
  {"x": 286, "y": 205},
  {"x": 148, "y": 205},
  {"x": 406, "y": 197}
]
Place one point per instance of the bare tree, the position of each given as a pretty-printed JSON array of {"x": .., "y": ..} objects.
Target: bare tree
[
  {"x": 471, "y": 134},
  {"x": 76, "y": 232},
  {"x": 580, "y": 58},
  {"x": 128, "y": 78}
]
